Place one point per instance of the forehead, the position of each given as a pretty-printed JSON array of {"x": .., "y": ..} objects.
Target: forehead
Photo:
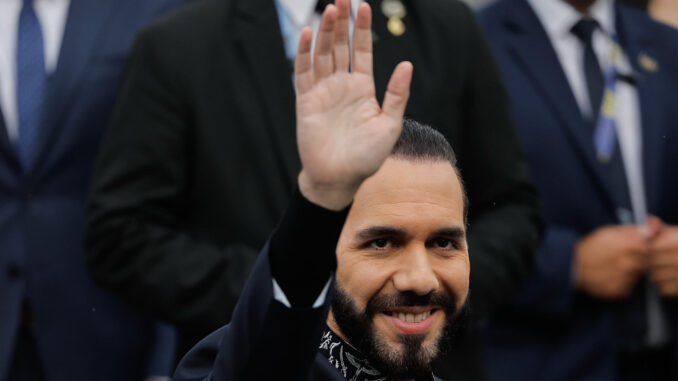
[{"x": 405, "y": 192}]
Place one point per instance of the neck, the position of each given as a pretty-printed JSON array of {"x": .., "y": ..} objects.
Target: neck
[
  {"x": 665, "y": 11},
  {"x": 582, "y": 6},
  {"x": 332, "y": 324}
]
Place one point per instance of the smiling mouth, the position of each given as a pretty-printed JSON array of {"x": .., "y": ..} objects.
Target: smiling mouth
[
  {"x": 412, "y": 320},
  {"x": 410, "y": 317}
]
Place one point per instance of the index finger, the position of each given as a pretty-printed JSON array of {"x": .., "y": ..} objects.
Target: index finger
[{"x": 302, "y": 64}]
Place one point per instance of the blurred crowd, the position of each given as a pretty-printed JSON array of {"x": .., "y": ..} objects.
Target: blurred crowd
[{"x": 147, "y": 152}]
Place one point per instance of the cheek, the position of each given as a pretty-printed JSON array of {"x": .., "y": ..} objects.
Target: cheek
[
  {"x": 455, "y": 277},
  {"x": 362, "y": 279}
]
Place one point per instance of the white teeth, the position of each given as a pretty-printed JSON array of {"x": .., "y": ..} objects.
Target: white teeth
[{"x": 412, "y": 318}]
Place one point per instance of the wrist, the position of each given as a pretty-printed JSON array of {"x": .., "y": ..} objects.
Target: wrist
[
  {"x": 329, "y": 196},
  {"x": 576, "y": 268}
]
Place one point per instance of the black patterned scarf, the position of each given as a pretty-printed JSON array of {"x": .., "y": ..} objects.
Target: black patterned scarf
[{"x": 348, "y": 361}]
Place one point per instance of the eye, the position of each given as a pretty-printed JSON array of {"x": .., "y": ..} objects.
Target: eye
[
  {"x": 380, "y": 243},
  {"x": 444, "y": 243}
]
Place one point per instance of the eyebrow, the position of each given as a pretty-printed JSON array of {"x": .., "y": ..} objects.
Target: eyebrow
[
  {"x": 452, "y": 232},
  {"x": 381, "y": 231}
]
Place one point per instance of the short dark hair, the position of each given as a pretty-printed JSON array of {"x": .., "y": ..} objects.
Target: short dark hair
[{"x": 419, "y": 142}]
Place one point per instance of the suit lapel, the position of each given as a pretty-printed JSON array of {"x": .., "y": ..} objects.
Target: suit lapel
[
  {"x": 389, "y": 50},
  {"x": 530, "y": 46},
  {"x": 84, "y": 23},
  {"x": 260, "y": 38},
  {"x": 6, "y": 148},
  {"x": 637, "y": 42}
]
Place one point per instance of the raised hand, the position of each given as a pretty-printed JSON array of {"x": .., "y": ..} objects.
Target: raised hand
[{"x": 342, "y": 134}]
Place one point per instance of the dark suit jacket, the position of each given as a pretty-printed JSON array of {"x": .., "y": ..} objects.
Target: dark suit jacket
[
  {"x": 264, "y": 341},
  {"x": 551, "y": 331},
  {"x": 83, "y": 332},
  {"x": 201, "y": 157}
]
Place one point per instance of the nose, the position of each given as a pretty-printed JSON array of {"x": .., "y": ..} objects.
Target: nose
[{"x": 415, "y": 272}]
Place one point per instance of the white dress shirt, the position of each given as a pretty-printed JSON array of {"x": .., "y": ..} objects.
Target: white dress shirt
[
  {"x": 52, "y": 16},
  {"x": 294, "y": 15},
  {"x": 558, "y": 17}
]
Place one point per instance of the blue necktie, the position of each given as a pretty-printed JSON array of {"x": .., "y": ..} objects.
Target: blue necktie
[{"x": 31, "y": 80}]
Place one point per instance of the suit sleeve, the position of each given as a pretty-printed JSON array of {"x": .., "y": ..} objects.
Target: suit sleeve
[
  {"x": 137, "y": 242},
  {"x": 162, "y": 354},
  {"x": 505, "y": 222},
  {"x": 265, "y": 338}
]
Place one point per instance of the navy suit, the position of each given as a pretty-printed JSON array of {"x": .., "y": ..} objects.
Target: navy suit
[
  {"x": 264, "y": 340},
  {"x": 551, "y": 331},
  {"x": 83, "y": 333}
]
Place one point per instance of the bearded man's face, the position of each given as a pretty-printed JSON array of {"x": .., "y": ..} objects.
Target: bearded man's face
[
  {"x": 413, "y": 358},
  {"x": 402, "y": 267}
]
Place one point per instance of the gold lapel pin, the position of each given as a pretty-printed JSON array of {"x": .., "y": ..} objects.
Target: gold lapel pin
[
  {"x": 395, "y": 11},
  {"x": 648, "y": 63}
]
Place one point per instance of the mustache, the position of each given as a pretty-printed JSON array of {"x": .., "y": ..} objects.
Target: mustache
[{"x": 382, "y": 302}]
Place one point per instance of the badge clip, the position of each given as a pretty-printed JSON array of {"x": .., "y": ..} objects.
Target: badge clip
[
  {"x": 395, "y": 11},
  {"x": 648, "y": 63}
]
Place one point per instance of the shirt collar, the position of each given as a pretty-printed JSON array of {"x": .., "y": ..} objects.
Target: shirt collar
[
  {"x": 558, "y": 17},
  {"x": 301, "y": 12}
]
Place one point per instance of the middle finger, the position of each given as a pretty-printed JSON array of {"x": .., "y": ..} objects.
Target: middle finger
[{"x": 323, "y": 61}]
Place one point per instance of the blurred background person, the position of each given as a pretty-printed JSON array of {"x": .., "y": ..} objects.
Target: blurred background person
[
  {"x": 201, "y": 158},
  {"x": 591, "y": 85},
  {"x": 60, "y": 64}
]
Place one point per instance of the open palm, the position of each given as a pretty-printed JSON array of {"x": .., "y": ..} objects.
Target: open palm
[{"x": 343, "y": 134}]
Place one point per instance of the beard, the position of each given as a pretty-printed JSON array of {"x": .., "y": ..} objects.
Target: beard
[{"x": 411, "y": 358}]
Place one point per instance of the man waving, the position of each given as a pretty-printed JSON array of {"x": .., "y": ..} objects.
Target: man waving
[{"x": 369, "y": 292}]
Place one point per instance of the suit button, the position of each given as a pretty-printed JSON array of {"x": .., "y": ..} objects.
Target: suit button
[
  {"x": 13, "y": 271},
  {"x": 28, "y": 196}
]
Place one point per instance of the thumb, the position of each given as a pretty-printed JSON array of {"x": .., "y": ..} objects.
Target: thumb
[
  {"x": 653, "y": 226},
  {"x": 398, "y": 91}
]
